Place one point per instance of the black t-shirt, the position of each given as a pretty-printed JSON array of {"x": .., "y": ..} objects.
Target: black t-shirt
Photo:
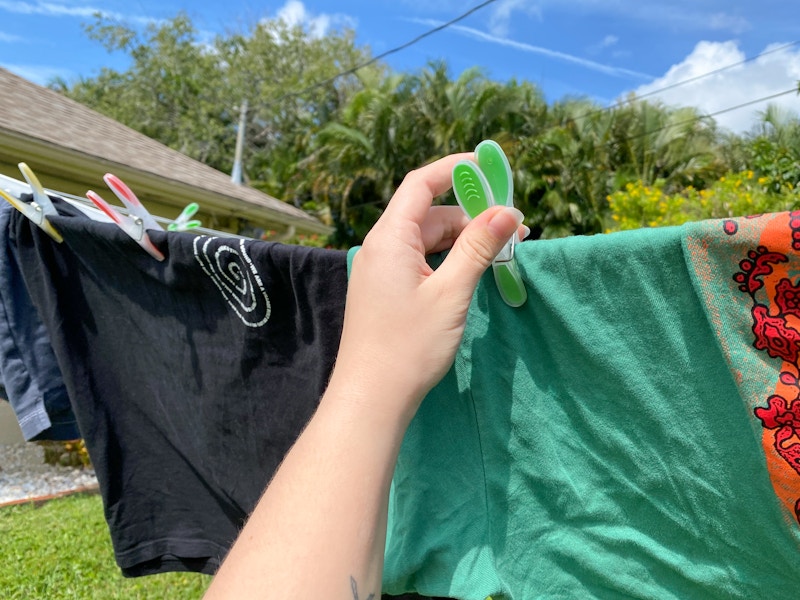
[{"x": 190, "y": 378}]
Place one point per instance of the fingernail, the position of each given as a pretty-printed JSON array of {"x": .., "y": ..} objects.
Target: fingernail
[
  {"x": 526, "y": 231},
  {"x": 499, "y": 222},
  {"x": 517, "y": 214}
]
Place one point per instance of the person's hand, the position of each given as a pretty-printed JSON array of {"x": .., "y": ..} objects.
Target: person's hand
[{"x": 403, "y": 321}]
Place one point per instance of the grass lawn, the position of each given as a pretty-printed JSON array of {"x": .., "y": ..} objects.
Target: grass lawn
[{"x": 62, "y": 550}]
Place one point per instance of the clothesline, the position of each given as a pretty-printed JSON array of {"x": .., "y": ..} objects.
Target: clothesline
[{"x": 18, "y": 188}]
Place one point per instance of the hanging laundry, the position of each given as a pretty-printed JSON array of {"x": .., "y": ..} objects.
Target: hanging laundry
[
  {"x": 191, "y": 378},
  {"x": 629, "y": 432},
  {"x": 28, "y": 367}
]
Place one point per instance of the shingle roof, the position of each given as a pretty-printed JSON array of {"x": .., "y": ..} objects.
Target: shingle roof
[{"x": 36, "y": 114}]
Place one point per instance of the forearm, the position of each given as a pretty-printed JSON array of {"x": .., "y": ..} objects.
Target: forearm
[
  {"x": 319, "y": 530},
  {"x": 322, "y": 520}
]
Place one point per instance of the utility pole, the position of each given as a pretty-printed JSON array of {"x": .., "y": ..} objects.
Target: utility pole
[{"x": 236, "y": 176}]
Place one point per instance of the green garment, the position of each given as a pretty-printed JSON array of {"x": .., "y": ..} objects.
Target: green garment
[{"x": 612, "y": 438}]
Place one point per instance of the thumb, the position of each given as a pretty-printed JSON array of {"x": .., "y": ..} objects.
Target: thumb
[{"x": 476, "y": 248}]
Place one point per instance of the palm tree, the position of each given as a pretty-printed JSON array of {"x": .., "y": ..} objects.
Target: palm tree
[
  {"x": 773, "y": 150},
  {"x": 677, "y": 147},
  {"x": 563, "y": 171},
  {"x": 359, "y": 159}
]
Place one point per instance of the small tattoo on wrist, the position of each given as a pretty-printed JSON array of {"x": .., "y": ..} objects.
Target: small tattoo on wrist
[{"x": 354, "y": 587}]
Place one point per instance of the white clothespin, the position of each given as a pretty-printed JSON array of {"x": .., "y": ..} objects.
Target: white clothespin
[
  {"x": 38, "y": 210},
  {"x": 136, "y": 225}
]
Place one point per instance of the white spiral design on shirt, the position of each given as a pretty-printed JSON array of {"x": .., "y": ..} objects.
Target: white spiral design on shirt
[{"x": 236, "y": 277}]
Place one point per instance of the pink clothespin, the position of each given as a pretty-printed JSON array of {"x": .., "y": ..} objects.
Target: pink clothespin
[
  {"x": 129, "y": 199},
  {"x": 38, "y": 210},
  {"x": 136, "y": 225}
]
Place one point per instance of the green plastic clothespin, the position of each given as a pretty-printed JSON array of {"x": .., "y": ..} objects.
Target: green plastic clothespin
[
  {"x": 183, "y": 222},
  {"x": 479, "y": 186}
]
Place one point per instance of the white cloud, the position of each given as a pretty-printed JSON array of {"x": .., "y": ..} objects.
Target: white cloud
[
  {"x": 683, "y": 14},
  {"x": 52, "y": 9},
  {"x": 294, "y": 13},
  {"x": 767, "y": 75},
  {"x": 555, "y": 54},
  {"x": 726, "y": 22},
  {"x": 49, "y": 9},
  {"x": 608, "y": 41},
  {"x": 8, "y": 38},
  {"x": 501, "y": 15}
]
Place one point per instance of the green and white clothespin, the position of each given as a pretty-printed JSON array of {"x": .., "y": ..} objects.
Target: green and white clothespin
[
  {"x": 184, "y": 222},
  {"x": 479, "y": 186}
]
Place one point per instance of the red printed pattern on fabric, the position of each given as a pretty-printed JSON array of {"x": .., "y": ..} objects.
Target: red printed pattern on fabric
[{"x": 776, "y": 327}]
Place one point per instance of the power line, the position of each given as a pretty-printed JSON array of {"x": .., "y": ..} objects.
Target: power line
[
  {"x": 484, "y": 4},
  {"x": 680, "y": 83},
  {"x": 662, "y": 128},
  {"x": 590, "y": 113},
  {"x": 488, "y": 2},
  {"x": 417, "y": 39},
  {"x": 587, "y": 114},
  {"x": 711, "y": 115},
  {"x": 683, "y": 82},
  {"x": 719, "y": 70},
  {"x": 375, "y": 59}
]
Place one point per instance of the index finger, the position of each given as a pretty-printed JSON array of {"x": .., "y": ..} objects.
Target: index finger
[{"x": 413, "y": 198}]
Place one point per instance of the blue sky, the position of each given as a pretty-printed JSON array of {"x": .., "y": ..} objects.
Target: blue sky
[{"x": 599, "y": 49}]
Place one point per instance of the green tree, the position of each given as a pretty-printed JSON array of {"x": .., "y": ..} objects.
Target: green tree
[
  {"x": 676, "y": 146},
  {"x": 359, "y": 159},
  {"x": 400, "y": 122},
  {"x": 773, "y": 151},
  {"x": 291, "y": 80},
  {"x": 335, "y": 133},
  {"x": 563, "y": 171},
  {"x": 187, "y": 93},
  {"x": 172, "y": 91}
]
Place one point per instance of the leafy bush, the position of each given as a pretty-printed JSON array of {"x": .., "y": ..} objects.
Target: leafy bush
[
  {"x": 733, "y": 195},
  {"x": 67, "y": 454}
]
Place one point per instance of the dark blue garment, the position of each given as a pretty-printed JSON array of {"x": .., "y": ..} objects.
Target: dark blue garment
[{"x": 28, "y": 367}]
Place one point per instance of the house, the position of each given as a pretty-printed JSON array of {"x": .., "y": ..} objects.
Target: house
[{"x": 70, "y": 147}]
